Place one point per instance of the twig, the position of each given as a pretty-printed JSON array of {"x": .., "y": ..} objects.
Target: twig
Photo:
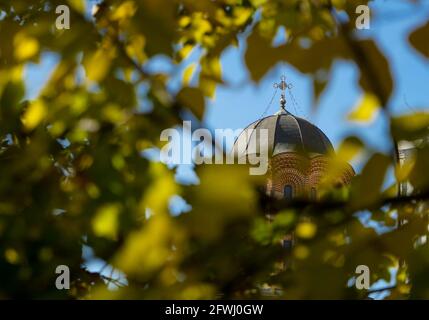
[
  {"x": 275, "y": 205},
  {"x": 381, "y": 289}
]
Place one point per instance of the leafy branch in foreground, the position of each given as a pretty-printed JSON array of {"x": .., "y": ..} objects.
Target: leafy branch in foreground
[{"x": 75, "y": 170}]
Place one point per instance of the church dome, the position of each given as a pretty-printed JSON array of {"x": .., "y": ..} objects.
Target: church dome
[
  {"x": 286, "y": 133},
  {"x": 299, "y": 154}
]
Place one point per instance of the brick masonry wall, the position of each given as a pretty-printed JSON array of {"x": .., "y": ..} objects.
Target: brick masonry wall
[{"x": 302, "y": 173}]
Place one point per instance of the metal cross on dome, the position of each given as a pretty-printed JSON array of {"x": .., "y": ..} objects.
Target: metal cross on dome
[{"x": 283, "y": 85}]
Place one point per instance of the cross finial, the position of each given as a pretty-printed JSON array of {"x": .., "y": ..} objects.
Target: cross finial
[{"x": 282, "y": 85}]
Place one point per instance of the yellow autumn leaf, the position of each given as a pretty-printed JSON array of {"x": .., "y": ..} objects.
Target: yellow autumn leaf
[
  {"x": 403, "y": 171},
  {"x": 212, "y": 66},
  {"x": 15, "y": 73},
  {"x": 198, "y": 292},
  {"x": 34, "y": 114},
  {"x": 92, "y": 190},
  {"x": 78, "y": 5},
  {"x": 118, "y": 161},
  {"x": 241, "y": 15},
  {"x": 306, "y": 230},
  {"x": 124, "y": 11},
  {"x": 185, "y": 51},
  {"x": 162, "y": 189},
  {"x": 105, "y": 223},
  {"x": 404, "y": 288},
  {"x": 258, "y": 3},
  {"x": 210, "y": 76},
  {"x": 301, "y": 252},
  {"x": 188, "y": 73},
  {"x": 366, "y": 109},
  {"x": 113, "y": 113},
  {"x": 146, "y": 250},
  {"x": 57, "y": 128},
  {"x": 11, "y": 256},
  {"x": 401, "y": 276},
  {"x": 201, "y": 26},
  {"x": 339, "y": 4},
  {"x": 98, "y": 65},
  {"x": 223, "y": 18},
  {"x": 184, "y": 21},
  {"x": 349, "y": 149},
  {"x": 410, "y": 126},
  {"x": 26, "y": 47},
  {"x": 135, "y": 48}
]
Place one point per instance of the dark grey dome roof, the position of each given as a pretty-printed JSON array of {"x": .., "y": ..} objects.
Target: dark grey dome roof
[{"x": 286, "y": 133}]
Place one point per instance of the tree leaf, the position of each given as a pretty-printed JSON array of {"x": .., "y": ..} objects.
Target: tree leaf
[
  {"x": 411, "y": 126},
  {"x": 419, "y": 39},
  {"x": 366, "y": 109},
  {"x": 35, "y": 114},
  {"x": 97, "y": 65},
  {"x": 349, "y": 149},
  {"x": 193, "y": 99},
  {"x": 105, "y": 222},
  {"x": 210, "y": 75},
  {"x": 26, "y": 47},
  {"x": 376, "y": 77},
  {"x": 419, "y": 180},
  {"x": 367, "y": 189},
  {"x": 188, "y": 73}
]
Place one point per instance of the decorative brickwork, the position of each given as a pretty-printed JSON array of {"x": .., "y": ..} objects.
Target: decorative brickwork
[{"x": 302, "y": 173}]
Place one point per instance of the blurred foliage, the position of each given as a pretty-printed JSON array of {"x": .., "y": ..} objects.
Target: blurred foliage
[{"x": 73, "y": 175}]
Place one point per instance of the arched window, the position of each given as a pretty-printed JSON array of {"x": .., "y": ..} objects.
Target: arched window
[
  {"x": 288, "y": 192},
  {"x": 313, "y": 194}
]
